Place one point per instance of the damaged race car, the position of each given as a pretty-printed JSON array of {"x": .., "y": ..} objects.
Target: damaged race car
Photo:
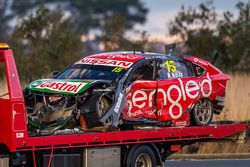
[{"x": 126, "y": 88}]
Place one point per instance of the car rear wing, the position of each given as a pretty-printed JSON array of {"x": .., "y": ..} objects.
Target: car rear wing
[{"x": 171, "y": 49}]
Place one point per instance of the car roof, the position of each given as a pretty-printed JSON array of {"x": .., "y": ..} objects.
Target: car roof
[
  {"x": 123, "y": 59},
  {"x": 131, "y": 56}
]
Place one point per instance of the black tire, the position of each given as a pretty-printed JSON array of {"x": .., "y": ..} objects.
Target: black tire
[
  {"x": 141, "y": 156},
  {"x": 202, "y": 113},
  {"x": 98, "y": 107}
]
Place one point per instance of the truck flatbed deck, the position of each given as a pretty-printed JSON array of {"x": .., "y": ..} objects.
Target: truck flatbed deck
[{"x": 97, "y": 139}]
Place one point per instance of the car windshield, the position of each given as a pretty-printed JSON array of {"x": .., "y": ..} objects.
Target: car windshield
[{"x": 93, "y": 72}]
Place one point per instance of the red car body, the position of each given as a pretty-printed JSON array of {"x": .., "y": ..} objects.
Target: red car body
[
  {"x": 147, "y": 87},
  {"x": 175, "y": 97}
]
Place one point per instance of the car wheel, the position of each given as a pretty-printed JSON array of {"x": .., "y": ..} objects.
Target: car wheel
[
  {"x": 202, "y": 113},
  {"x": 102, "y": 107},
  {"x": 98, "y": 107}
]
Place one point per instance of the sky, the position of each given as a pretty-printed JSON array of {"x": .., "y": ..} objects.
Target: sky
[{"x": 162, "y": 12}]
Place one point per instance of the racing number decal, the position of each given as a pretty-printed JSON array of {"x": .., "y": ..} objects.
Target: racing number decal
[
  {"x": 118, "y": 69},
  {"x": 170, "y": 65}
]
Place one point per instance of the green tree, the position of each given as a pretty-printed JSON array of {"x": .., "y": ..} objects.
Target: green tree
[
  {"x": 113, "y": 32},
  {"x": 197, "y": 28},
  {"x": 93, "y": 13},
  {"x": 4, "y": 18},
  {"x": 235, "y": 34},
  {"x": 86, "y": 14},
  {"x": 44, "y": 41},
  {"x": 113, "y": 36},
  {"x": 203, "y": 33}
]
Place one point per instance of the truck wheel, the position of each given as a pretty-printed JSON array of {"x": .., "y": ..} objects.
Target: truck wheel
[
  {"x": 142, "y": 156},
  {"x": 202, "y": 113}
]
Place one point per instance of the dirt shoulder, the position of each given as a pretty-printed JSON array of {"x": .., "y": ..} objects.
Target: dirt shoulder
[{"x": 210, "y": 156}]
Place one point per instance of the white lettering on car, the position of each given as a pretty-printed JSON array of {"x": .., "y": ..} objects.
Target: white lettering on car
[
  {"x": 190, "y": 90},
  {"x": 118, "y": 104},
  {"x": 150, "y": 99},
  {"x": 139, "y": 96},
  {"x": 174, "y": 102},
  {"x": 123, "y": 56},
  {"x": 208, "y": 82},
  {"x": 192, "y": 86},
  {"x": 196, "y": 60},
  {"x": 69, "y": 87},
  {"x": 107, "y": 62},
  {"x": 182, "y": 89}
]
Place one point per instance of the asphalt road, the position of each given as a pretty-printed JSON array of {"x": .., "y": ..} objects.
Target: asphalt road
[{"x": 208, "y": 163}]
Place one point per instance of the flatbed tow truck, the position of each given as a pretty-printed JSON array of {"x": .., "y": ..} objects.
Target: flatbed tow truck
[{"x": 128, "y": 148}]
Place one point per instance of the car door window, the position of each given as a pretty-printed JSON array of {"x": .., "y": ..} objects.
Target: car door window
[
  {"x": 144, "y": 72},
  {"x": 174, "y": 69},
  {"x": 199, "y": 71},
  {"x": 140, "y": 93}
]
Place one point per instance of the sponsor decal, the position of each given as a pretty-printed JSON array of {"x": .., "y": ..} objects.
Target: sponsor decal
[
  {"x": 107, "y": 62},
  {"x": 170, "y": 65},
  {"x": 118, "y": 104},
  {"x": 183, "y": 92},
  {"x": 196, "y": 60},
  {"x": 123, "y": 56},
  {"x": 176, "y": 74},
  {"x": 118, "y": 69},
  {"x": 69, "y": 87},
  {"x": 19, "y": 135},
  {"x": 181, "y": 123}
]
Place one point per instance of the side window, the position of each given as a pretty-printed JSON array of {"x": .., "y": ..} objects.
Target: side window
[
  {"x": 175, "y": 69},
  {"x": 144, "y": 72},
  {"x": 199, "y": 71}
]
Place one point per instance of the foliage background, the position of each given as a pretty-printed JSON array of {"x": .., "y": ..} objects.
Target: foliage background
[
  {"x": 50, "y": 31},
  {"x": 47, "y": 34}
]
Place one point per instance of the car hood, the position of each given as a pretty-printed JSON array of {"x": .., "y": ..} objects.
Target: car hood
[{"x": 61, "y": 86}]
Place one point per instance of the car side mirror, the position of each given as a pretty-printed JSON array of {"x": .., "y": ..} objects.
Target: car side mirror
[{"x": 54, "y": 74}]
